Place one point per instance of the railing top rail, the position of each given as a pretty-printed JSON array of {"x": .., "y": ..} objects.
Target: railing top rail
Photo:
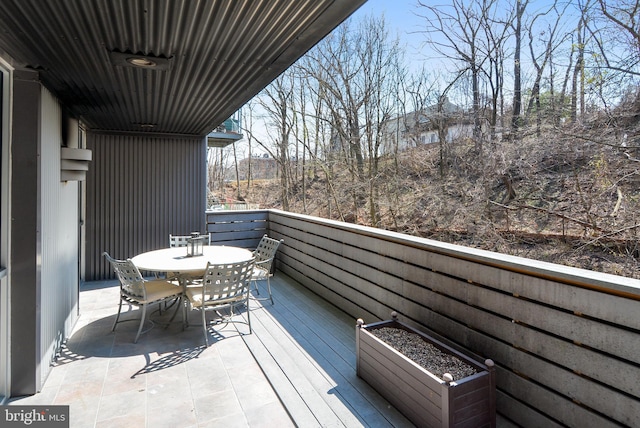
[{"x": 602, "y": 282}]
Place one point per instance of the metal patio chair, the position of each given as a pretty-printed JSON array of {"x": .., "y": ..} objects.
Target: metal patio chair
[
  {"x": 224, "y": 286},
  {"x": 181, "y": 241},
  {"x": 265, "y": 254},
  {"x": 137, "y": 291}
]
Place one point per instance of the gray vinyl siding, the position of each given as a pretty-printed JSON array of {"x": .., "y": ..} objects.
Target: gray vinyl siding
[
  {"x": 141, "y": 188},
  {"x": 59, "y": 239}
]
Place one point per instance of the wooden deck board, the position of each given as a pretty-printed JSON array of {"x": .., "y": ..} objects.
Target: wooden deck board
[
  {"x": 306, "y": 347},
  {"x": 308, "y": 381},
  {"x": 334, "y": 347},
  {"x": 289, "y": 395}
]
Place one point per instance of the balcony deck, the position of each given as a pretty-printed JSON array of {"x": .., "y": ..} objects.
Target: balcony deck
[{"x": 297, "y": 369}]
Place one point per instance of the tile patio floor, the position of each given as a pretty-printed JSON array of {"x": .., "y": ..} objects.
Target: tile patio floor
[{"x": 168, "y": 379}]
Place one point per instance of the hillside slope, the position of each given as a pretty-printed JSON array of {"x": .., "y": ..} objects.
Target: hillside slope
[{"x": 570, "y": 196}]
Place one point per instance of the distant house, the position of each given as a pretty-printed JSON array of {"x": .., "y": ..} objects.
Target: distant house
[
  {"x": 263, "y": 167},
  {"x": 423, "y": 127}
]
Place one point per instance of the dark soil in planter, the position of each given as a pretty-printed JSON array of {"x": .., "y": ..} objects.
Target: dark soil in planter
[{"x": 424, "y": 353}]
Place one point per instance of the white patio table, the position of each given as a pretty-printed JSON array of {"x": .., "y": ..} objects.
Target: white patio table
[
  {"x": 176, "y": 260},
  {"x": 185, "y": 268}
]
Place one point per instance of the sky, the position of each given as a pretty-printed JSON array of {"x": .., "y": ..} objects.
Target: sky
[
  {"x": 402, "y": 21},
  {"x": 401, "y": 17}
]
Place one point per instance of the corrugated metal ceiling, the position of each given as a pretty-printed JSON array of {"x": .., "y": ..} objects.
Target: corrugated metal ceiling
[{"x": 215, "y": 55}]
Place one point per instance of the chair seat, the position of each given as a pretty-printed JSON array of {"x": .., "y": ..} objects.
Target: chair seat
[
  {"x": 137, "y": 291},
  {"x": 194, "y": 294},
  {"x": 224, "y": 286},
  {"x": 259, "y": 273},
  {"x": 159, "y": 289}
]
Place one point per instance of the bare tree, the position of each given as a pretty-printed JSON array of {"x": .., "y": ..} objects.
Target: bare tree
[
  {"x": 278, "y": 101},
  {"x": 336, "y": 62},
  {"x": 247, "y": 113},
  {"x": 558, "y": 109},
  {"x": 577, "y": 89},
  {"x": 624, "y": 17},
  {"x": 497, "y": 26},
  {"x": 356, "y": 73},
  {"x": 219, "y": 164},
  {"x": 540, "y": 61},
  {"x": 455, "y": 32},
  {"x": 320, "y": 144},
  {"x": 442, "y": 119},
  {"x": 517, "y": 66},
  {"x": 415, "y": 94}
]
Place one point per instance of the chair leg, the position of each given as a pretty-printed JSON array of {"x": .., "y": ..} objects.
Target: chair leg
[
  {"x": 113, "y": 328},
  {"x": 204, "y": 327},
  {"x": 185, "y": 319},
  {"x": 178, "y": 304},
  {"x": 257, "y": 288},
  {"x": 168, "y": 304},
  {"x": 269, "y": 289},
  {"x": 248, "y": 316},
  {"x": 142, "y": 317}
]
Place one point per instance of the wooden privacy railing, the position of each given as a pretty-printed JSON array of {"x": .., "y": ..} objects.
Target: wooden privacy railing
[
  {"x": 232, "y": 206},
  {"x": 566, "y": 342},
  {"x": 239, "y": 228}
]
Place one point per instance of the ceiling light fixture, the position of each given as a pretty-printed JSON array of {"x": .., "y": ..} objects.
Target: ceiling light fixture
[{"x": 139, "y": 60}]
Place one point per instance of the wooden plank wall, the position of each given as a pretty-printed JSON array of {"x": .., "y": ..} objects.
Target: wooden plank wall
[
  {"x": 566, "y": 342},
  {"x": 238, "y": 228}
]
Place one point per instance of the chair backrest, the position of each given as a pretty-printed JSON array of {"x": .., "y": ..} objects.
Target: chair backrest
[
  {"x": 266, "y": 252},
  {"x": 227, "y": 282},
  {"x": 131, "y": 281},
  {"x": 181, "y": 240}
]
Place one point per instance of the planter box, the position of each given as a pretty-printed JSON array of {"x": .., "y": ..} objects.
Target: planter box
[{"x": 424, "y": 398}]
